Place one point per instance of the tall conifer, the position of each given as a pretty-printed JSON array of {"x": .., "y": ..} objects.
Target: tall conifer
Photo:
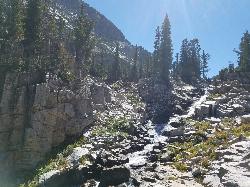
[{"x": 166, "y": 50}]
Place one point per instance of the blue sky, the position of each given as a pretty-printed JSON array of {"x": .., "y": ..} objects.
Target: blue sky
[{"x": 218, "y": 24}]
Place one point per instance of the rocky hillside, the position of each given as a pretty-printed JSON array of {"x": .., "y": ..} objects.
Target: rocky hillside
[
  {"x": 150, "y": 132},
  {"x": 207, "y": 144},
  {"x": 204, "y": 143},
  {"x": 104, "y": 28},
  {"x": 37, "y": 118},
  {"x": 122, "y": 142},
  {"x": 105, "y": 31}
]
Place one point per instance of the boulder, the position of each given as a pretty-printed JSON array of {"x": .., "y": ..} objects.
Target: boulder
[
  {"x": 97, "y": 94},
  {"x": 114, "y": 176},
  {"x": 166, "y": 157},
  {"x": 77, "y": 154},
  {"x": 206, "y": 109},
  {"x": 171, "y": 131},
  {"x": 176, "y": 121},
  {"x": 245, "y": 119}
]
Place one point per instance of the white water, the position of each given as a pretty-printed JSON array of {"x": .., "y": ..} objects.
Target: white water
[
  {"x": 155, "y": 131},
  {"x": 140, "y": 157},
  {"x": 191, "y": 110}
]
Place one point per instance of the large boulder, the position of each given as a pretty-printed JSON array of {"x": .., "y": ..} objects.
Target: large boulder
[{"x": 206, "y": 109}]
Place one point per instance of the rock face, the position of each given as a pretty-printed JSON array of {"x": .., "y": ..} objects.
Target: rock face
[
  {"x": 164, "y": 100},
  {"x": 158, "y": 98},
  {"x": 103, "y": 27},
  {"x": 226, "y": 99},
  {"x": 36, "y": 118},
  {"x": 232, "y": 169},
  {"x": 106, "y": 32}
]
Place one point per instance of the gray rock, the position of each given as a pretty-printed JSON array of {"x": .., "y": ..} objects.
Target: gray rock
[
  {"x": 114, "y": 176},
  {"x": 29, "y": 130},
  {"x": 77, "y": 153},
  {"x": 245, "y": 119},
  {"x": 196, "y": 172},
  {"x": 166, "y": 157},
  {"x": 232, "y": 168}
]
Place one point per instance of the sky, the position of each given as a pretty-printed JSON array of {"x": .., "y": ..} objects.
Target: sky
[{"x": 218, "y": 24}]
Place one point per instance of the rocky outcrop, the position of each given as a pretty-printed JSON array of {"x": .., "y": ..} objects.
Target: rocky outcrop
[
  {"x": 232, "y": 168},
  {"x": 35, "y": 118},
  {"x": 158, "y": 98},
  {"x": 102, "y": 159},
  {"x": 165, "y": 100},
  {"x": 225, "y": 99}
]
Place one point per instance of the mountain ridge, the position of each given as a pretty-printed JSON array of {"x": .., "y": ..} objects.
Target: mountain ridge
[
  {"x": 111, "y": 32},
  {"x": 105, "y": 30}
]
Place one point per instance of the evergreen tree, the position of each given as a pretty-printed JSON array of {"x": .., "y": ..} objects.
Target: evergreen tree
[
  {"x": 195, "y": 60},
  {"x": 125, "y": 71},
  {"x": 204, "y": 64},
  {"x": 32, "y": 34},
  {"x": 184, "y": 61},
  {"x": 15, "y": 21},
  {"x": 3, "y": 52},
  {"x": 97, "y": 68},
  {"x": 15, "y": 33},
  {"x": 176, "y": 67},
  {"x": 63, "y": 63},
  {"x": 148, "y": 66},
  {"x": 244, "y": 53},
  {"x": 83, "y": 43},
  {"x": 11, "y": 34},
  {"x": 156, "y": 53},
  {"x": 141, "y": 70},
  {"x": 2, "y": 18},
  {"x": 3, "y": 31},
  {"x": 134, "y": 72},
  {"x": 166, "y": 51},
  {"x": 33, "y": 22},
  {"x": 115, "y": 73},
  {"x": 190, "y": 61}
]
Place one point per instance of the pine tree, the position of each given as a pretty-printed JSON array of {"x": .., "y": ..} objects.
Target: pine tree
[
  {"x": 204, "y": 64},
  {"x": 15, "y": 20},
  {"x": 195, "y": 60},
  {"x": 32, "y": 34},
  {"x": 83, "y": 43},
  {"x": 190, "y": 61},
  {"x": 184, "y": 61},
  {"x": 3, "y": 31},
  {"x": 15, "y": 33},
  {"x": 97, "y": 68},
  {"x": 156, "y": 53},
  {"x": 244, "y": 53},
  {"x": 134, "y": 72},
  {"x": 166, "y": 51},
  {"x": 2, "y": 18},
  {"x": 141, "y": 70},
  {"x": 176, "y": 67},
  {"x": 33, "y": 27},
  {"x": 148, "y": 66},
  {"x": 115, "y": 73}
]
